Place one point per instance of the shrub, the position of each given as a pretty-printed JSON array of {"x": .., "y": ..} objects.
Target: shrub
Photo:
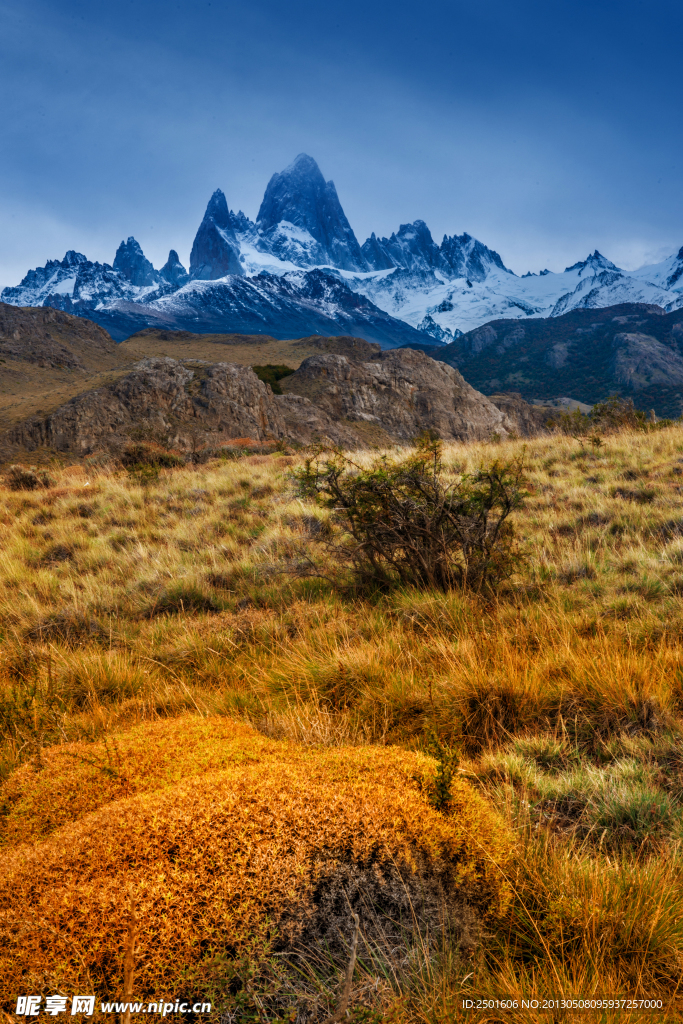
[
  {"x": 272, "y": 374},
  {"x": 405, "y": 525},
  {"x": 69, "y": 626},
  {"x": 440, "y": 790},
  {"x": 26, "y": 478},
  {"x": 181, "y": 598},
  {"x": 140, "y": 455},
  {"x": 617, "y": 413},
  {"x": 231, "y": 842},
  {"x": 614, "y": 413}
]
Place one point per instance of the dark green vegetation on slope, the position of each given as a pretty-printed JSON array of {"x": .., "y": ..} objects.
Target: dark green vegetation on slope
[
  {"x": 273, "y": 373},
  {"x": 634, "y": 350}
]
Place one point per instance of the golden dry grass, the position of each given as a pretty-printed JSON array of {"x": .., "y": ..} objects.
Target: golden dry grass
[
  {"x": 30, "y": 390},
  {"x": 125, "y": 604},
  {"x": 243, "y": 349}
]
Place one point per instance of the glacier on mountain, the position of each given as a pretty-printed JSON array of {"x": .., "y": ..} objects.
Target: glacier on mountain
[{"x": 299, "y": 268}]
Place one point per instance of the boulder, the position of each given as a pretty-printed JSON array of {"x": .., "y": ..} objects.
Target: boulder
[
  {"x": 522, "y": 419},
  {"x": 403, "y": 392}
]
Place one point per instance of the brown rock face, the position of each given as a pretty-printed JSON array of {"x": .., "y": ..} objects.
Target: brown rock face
[
  {"x": 49, "y": 337},
  {"x": 306, "y": 422},
  {"x": 182, "y": 403},
  {"x": 402, "y": 392},
  {"x": 523, "y": 419}
]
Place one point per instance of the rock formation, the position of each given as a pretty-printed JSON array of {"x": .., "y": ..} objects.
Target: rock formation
[
  {"x": 363, "y": 397},
  {"x": 173, "y": 272},
  {"x": 186, "y": 405},
  {"x": 215, "y": 251},
  {"x": 402, "y": 392},
  {"x": 130, "y": 261}
]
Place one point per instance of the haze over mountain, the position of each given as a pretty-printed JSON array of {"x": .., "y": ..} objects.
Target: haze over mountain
[{"x": 299, "y": 269}]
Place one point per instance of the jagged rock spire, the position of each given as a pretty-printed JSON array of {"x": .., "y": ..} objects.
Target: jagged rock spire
[
  {"x": 173, "y": 271},
  {"x": 300, "y": 196},
  {"x": 131, "y": 263},
  {"x": 215, "y": 252}
]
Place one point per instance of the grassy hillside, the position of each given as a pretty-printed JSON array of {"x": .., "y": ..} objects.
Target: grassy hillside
[
  {"x": 244, "y": 349},
  {"x": 166, "y": 687}
]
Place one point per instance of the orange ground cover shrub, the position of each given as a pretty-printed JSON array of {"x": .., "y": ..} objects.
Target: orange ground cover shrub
[{"x": 231, "y": 840}]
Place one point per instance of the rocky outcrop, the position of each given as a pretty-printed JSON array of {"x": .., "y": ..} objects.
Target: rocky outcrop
[
  {"x": 521, "y": 418},
  {"x": 186, "y": 405},
  {"x": 640, "y": 360},
  {"x": 351, "y": 394},
  {"x": 308, "y": 423},
  {"x": 403, "y": 392},
  {"x": 50, "y": 337}
]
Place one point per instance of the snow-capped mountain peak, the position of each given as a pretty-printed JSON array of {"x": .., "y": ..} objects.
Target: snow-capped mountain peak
[
  {"x": 300, "y": 198},
  {"x": 594, "y": 263},
  {"x": 413, "y": 249},
  {"x": 73, "y": 259},
  {"x": 410, "y": 248},
  {"x": 55, "y": 278}
]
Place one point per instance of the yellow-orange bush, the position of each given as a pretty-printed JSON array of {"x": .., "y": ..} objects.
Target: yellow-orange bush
[
  {"x": 68, "y": 781},
  {"x": 236, "y": 838}
]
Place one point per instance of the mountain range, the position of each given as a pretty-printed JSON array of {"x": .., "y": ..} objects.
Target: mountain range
[{"x": 298, "y": 269}]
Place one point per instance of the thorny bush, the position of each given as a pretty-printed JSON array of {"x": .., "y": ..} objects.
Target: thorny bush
[
  {"x": 613, "y": 414},
  {"x": 404, "y": 524},
  {"x": 26, "y": 478}
]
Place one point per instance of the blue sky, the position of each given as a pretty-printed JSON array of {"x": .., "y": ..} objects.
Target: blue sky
[{"x": 546, "y": 129}]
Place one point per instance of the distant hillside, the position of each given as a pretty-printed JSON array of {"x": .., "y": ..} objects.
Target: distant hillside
[{"x": 632, "y": 349}]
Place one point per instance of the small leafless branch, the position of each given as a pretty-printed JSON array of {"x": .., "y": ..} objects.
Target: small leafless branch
[{"x": 340, "y": 1012}]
